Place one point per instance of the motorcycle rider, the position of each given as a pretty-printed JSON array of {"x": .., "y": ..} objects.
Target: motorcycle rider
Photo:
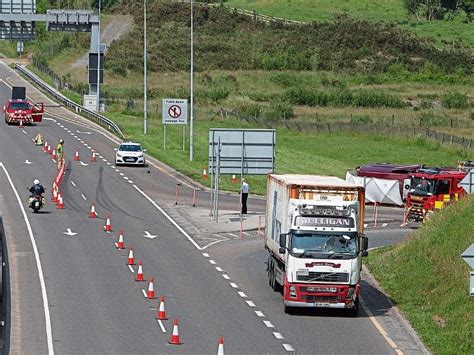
[{"x": 37, "y": 189}]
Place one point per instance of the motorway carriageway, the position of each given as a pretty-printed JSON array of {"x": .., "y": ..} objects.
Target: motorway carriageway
[{"x": 94, "y": 304}]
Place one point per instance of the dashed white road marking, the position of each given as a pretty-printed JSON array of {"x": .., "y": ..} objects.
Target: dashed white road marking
[
  {"x": 73, "y": 183},
  {"x": 163, "y": 329},
  {"x": 100, "y": 156},
  {"x": 247, "y": 234},
  {"x": 84, "y": 197},
  {"x": 103, "y": 159},
  {"x": 206, "y": 255},
  {"x": 218, "y": 268},
  {"x": 384, "y": 224},
  {"x": 288, "y": 347},
  {"x": 234, "y": 285},
  {"x": 130, "y": 181},
  {"x": 259, "y": 314},
  {"x": 242, "y": 294},
  {"x": 24, "y": 131},
  {"x": 225, "y": 276},
  {"x": 117, "y": 170},
  {"x": 278, "y": 335},
  {"x": 121, "y": 174},
  {"x": 112, "y": 166},
  {"x": 212, "y": 262},
  {"x": 233, "y": 235},
  {"x": 268, "y": 324},
  {"x": 108, "y": 163},
  {"x": 250, "y": 303},
  {"x": 125, "y": 178},
  {"x": 144, "y": 293},
  {"x": 131, "y": 268}
]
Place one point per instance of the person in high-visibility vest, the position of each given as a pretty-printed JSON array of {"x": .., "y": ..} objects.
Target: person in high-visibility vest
[
  {"x": 60, "y": 152},
  {"x": 39, "y": 139}
]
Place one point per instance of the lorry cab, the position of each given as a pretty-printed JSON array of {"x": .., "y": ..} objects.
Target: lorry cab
[{"x": 433, "y": 189}]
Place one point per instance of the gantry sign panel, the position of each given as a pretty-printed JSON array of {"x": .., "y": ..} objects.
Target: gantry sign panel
[{"x": 23, "y": 29}]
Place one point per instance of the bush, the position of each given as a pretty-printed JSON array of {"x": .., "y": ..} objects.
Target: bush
[
  {"x": 455, "y": 100},
  {"x": 279, "y": 110},
  {"x": 217, "y": 94},
  {"x": 373, "y": 98}
]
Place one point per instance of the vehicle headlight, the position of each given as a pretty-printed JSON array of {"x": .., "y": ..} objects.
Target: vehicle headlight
[
  {"x": 141, "y": 155},
  {"x": 119, "y": 155},
  {"x": 293, "y": 291}
]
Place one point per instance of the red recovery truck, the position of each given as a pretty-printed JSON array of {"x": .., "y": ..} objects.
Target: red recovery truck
[
  {"x": 18, "y": 110},
  {"x": 433, "y": 189}
]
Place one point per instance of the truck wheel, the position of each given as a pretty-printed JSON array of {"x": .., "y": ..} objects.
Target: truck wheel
[
  {"x": 354, "y": 312},
  {"x": 271, "y": 274}
]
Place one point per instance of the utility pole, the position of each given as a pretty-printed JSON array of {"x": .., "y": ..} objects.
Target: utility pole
[
  {"x": 144, "y": 71},
  {"x": 191, "y": 127},
  {"x": 98, "y": 64}
]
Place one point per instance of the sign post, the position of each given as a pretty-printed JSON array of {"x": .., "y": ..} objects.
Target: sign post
[
  {"x": 174, "y": 112},
  {"x": 468, "y": 257}
]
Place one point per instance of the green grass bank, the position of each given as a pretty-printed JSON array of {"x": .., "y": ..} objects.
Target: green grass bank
[{"x": 428, "y": 280}]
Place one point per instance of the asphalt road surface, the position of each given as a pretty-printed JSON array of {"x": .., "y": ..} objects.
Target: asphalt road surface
[{"x": 93, "y": 302}]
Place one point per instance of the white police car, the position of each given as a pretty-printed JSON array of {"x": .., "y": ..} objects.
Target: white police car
[{"x": 129, "y": 153}]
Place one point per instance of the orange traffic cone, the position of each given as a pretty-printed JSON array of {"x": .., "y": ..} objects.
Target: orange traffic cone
[
  {"x": 60, "y": 201},
  {"x": 204, "y": 174},
  {"x": 21, "y": 124},
  {"x": 93, "y": 157},
  {"x": 76, "y": 155},
  {"x": 220, "y": 349},
  {"x": 175, "y": 336},
  {"x": 140, "y": 272},
  {"x": 93, "y": 213},
  {"x": 120, "y": 244},
  {"x": 131, "y": 259},
  {"x": 48, "y": 151},
  {"x": 108, "y": 226},
  {"x": 233, "y": 179},
  {"x": 45, "y": 146},
  {"x": 151, "y": 290},
  {"x": 53, "y": 156},
  {"x": 161, "y": 314},
  {"x": 55, "y": 195}
]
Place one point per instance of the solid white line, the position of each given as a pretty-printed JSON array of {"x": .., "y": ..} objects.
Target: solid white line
[
  {"x": 73, "y": 183},
  {"x": 225, "y": 276},
  {"x": 251, "y": 304},
  {"x": 163, "y": 329},
  {"x": 218, "y": 268},
  {"x": 212, "y": 262},
  {"x": 144, "y": 293},
  {"x": 206, "y": 255},
  {"x": 268, "y": 324},
  {"x": 131, "y": 268},
  {"x": 242, "y": 294},
  {"x": 288, "y": 347},
  {"x": 169, "y": 218},
  {"x": 234, "y": 285},
  {"x": 233, "y": 235},
  {"x": 84, "y": 197},
  {"x": 215, "y": 242},
  {"x": 278, "y": 335},
  {"x": 259, "y": 313},
  {"x": 44, "y": 294}
]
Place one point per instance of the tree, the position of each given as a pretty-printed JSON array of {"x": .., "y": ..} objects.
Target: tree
[{"x": 468, "y": 7}]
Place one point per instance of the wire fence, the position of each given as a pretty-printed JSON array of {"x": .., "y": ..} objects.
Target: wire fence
[
  {"x": 379, "y": 128},
  {"x": 256, "y": 16}
]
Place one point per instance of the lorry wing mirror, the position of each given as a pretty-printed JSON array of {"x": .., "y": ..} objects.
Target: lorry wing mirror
[
  {"x": 364, "y": 245},
  {"x": 282, "y": 250},
  {"x": 283, "y": 240}
]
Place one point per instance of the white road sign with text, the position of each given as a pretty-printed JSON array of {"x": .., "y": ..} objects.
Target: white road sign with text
[{"x": 175, "y": 111}]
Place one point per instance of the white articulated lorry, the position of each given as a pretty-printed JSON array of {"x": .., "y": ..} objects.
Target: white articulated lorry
[{"x": 314, "y": 234}]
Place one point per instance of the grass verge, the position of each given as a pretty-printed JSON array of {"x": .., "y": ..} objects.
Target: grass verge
[{"x": 428, "y": 280}]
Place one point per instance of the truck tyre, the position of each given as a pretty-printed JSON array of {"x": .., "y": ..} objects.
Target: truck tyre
[
  {"x": 354, "y": 312},
  {"x": 289, "y": 310}
]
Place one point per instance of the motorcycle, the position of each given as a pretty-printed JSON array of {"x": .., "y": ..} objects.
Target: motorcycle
[{"x": 36, "y": 202}]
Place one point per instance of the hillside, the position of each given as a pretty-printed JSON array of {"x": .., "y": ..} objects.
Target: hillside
[
  {"x": 345, "y": 44},
  {"x": 428, "y": 280}
]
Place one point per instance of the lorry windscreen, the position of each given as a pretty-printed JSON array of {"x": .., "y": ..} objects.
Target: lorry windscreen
[
  {"x": 324, "y": 246},
  {"x": 421, "y": 186}
]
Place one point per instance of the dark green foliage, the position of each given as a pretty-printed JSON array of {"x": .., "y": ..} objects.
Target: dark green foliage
[
  {"x": 455, "y": 99},
  {"x": 230, "y": 41}
]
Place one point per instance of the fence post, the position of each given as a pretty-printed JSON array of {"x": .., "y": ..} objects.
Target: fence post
[
  {"x": 393, "y": 119},
  {"x": 329, "y": 128},
  {"x": 452, "y": 138}
]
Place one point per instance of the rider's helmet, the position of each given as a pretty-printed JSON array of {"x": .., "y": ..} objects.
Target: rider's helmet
[
  {"x": 61, "y": 141},
  {"x": 36, "y": 182}
]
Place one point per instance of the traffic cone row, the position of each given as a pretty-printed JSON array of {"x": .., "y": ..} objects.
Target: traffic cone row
[{"x": 140, "y": 276}]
